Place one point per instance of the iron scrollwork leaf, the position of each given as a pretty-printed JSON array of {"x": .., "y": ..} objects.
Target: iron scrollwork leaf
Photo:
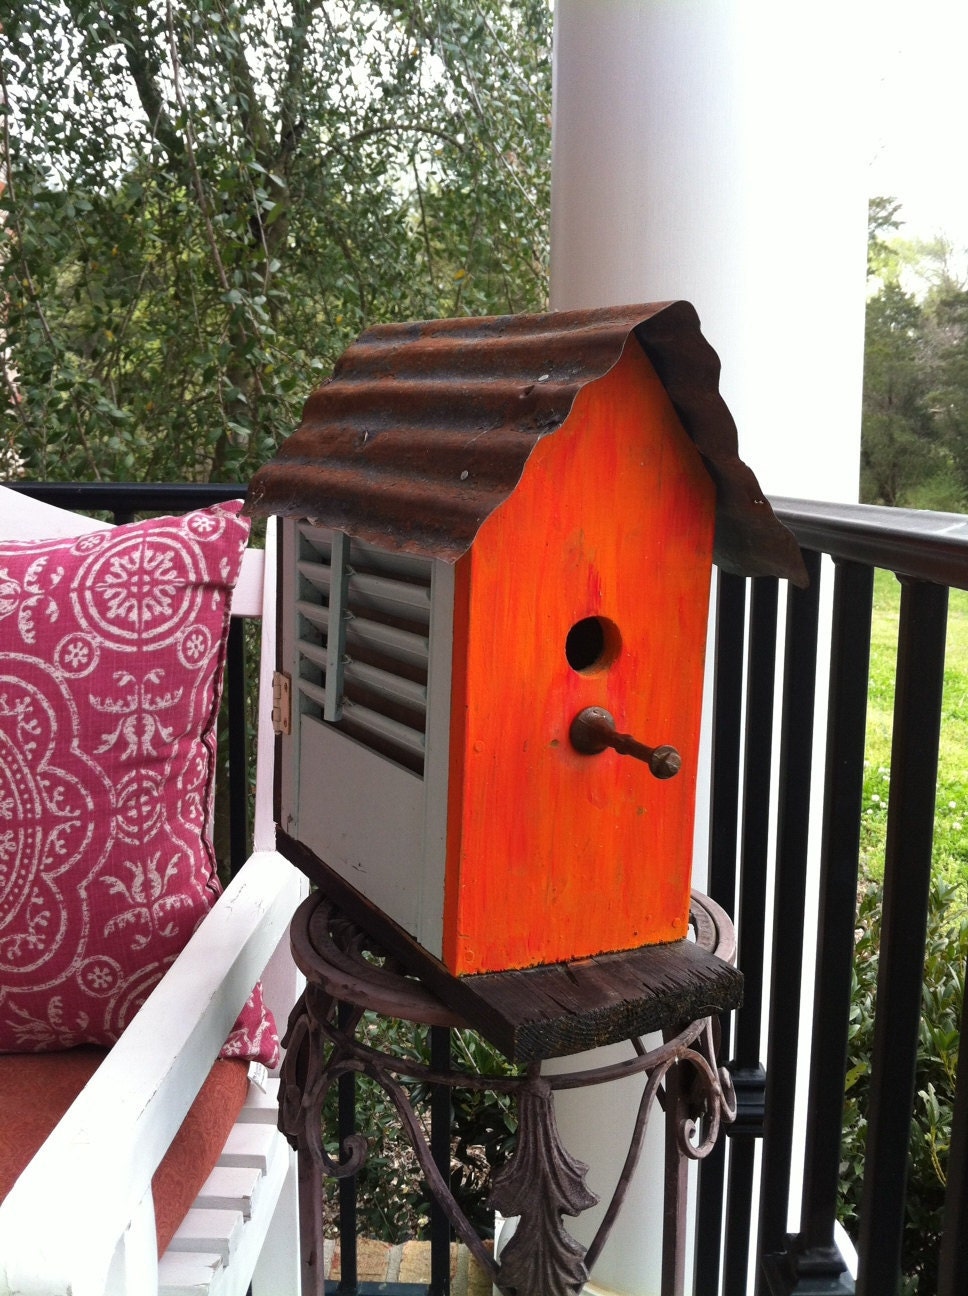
[{"x": 541, "y": 1183}]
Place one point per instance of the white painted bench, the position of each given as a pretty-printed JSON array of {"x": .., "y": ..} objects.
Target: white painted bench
[{"x": 79, "y": 1221}]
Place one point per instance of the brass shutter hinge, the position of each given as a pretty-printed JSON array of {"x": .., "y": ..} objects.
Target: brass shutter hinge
[{"x": 281, "y": 703}]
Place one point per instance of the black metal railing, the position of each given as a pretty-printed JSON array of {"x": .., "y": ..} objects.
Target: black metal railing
[
  {"x": 763, "y": 780},
  {"x": 772, "y": 799}
]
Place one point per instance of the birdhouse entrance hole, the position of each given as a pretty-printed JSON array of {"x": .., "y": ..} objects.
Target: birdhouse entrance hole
[{"x": 592, "y": 644}]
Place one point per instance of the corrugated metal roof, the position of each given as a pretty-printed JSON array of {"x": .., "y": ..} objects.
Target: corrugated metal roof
[{"x": 425, "y": 428}]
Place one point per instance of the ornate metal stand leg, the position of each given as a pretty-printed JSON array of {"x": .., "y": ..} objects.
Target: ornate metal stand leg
[
  {"x": 676, "y": 1188},
  {"x": 697, "y": 1090},
  {"x": 542, "y": 1182},
  {"x": 311, "y": 1226}
]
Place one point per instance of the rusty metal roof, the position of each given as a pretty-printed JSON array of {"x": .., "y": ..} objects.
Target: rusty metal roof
[{"x": 425, "y": 428}]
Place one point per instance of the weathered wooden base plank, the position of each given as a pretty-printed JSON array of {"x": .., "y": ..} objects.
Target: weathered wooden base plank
[
  {"x": 569, "y": 1007},
  {"x": 558, "y": 1009}
]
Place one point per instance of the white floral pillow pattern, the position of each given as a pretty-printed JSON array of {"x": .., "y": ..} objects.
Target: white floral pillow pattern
[{"x": 111, "y": 654}]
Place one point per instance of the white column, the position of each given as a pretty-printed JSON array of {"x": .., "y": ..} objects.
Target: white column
[{"x": 712, "y": 150}]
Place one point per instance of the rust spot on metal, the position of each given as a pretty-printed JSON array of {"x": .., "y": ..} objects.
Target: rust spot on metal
[{"x": 425, "y": 428}]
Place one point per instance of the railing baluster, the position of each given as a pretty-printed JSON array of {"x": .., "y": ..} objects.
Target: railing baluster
[
  {"x": 907, "y": 879},
  {"x": 814, "y": 1256},
  {"x": 727, "y": 739},
  {"x": 440, "y": 1117},
  {"x": 346, "y": 1191},
  {"x": 724, "y": 823},
  {"x": 793, "y": 819},
  {"x": 238, "y": 783},
  {"x": 748, "y": 1074}
]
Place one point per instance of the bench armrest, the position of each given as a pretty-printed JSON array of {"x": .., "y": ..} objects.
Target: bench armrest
[{"x": 63, "y": 1221}]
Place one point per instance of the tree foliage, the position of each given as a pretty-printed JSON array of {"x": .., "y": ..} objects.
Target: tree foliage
[
  {"x": 206, "y": 202},
  {"x": 915, "y": 426}
]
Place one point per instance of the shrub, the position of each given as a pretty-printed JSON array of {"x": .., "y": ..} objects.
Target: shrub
[
  {"x": 942, "y": 1000},
  {"x": 393, "y": 1203}
]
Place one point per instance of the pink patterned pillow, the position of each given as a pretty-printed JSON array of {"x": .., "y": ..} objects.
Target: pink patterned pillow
[{"x": 111, "y": 653}]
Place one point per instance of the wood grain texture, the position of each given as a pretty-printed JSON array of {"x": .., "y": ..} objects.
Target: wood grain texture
[
  {"x": 566, "y": 1008},
  {"x": 553, "y": 855}
]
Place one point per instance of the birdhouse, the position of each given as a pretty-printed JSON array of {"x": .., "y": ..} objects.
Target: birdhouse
[{"x": 495, "y": 572}]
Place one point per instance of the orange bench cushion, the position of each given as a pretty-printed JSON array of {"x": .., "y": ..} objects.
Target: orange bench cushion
[{"x": 37, "y": 1089}]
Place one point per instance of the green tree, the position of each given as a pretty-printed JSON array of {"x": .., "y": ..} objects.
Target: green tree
[
  {"x": 949, "y": 393},
  {"x": 897, "y": 427},
  {"x": 206, "y": 202},
  {"x": 883, "y": 214},
  {"x": 914, "y": 446}
]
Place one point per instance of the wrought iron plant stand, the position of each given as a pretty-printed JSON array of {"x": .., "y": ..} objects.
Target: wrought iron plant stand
[{"x": 542, "y": 1181}]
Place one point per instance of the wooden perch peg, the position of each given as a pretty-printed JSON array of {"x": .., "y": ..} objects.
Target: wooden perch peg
[{"x": 593, "y": 729}]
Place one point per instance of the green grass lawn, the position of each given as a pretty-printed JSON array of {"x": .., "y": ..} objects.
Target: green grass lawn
[{"x": 951, "y": 817}]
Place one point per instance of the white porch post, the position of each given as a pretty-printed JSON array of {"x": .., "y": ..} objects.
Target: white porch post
[{"x": 711, "y": 150}]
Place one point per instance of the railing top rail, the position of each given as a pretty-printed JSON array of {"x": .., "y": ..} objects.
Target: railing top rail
[
  {"x": 913, "y": 543},
  {"x": 130, "y": 497},
  {"x": 910, "y": 542}
]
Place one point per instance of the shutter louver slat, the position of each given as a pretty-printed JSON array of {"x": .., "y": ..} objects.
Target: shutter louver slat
[{"x": 386, "y": 621}]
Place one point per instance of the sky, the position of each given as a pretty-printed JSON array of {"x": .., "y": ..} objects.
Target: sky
[{"x": 918, "y": 127}]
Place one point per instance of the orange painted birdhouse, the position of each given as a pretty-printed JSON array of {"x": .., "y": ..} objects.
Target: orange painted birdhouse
[{"x": 495, "y": 573}]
